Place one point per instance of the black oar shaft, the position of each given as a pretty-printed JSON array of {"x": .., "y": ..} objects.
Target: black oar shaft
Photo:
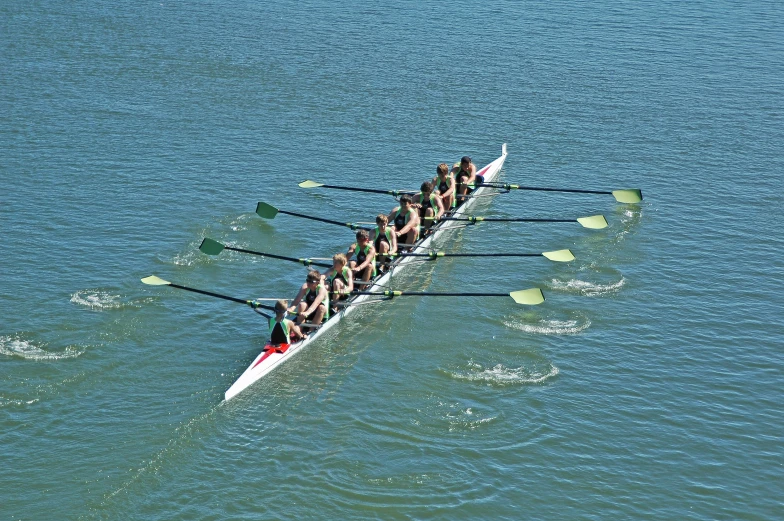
[
  {"x": 434, "y": 255},
  {"x": 538, "y": 189},
  {"x": 306, "y": 262},
  {"x": 427, "y": 294},
  {"x": 328, "y": 221},
  {"x": 368, "y": 190},
  {"x": 218, "y": 295},
  {"x": 508, "y": 220}
]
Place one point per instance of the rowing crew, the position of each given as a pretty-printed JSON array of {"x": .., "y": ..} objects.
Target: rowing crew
[
  {"x": 312, "y": 302},
  {"x": 435, "y": 198}
]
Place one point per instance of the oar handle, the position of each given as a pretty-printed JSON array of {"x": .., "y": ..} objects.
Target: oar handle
[
  {"x": 224, "y": 297},
  {"x": 304, "y": 262},
  {"x": 328, "y": 221}
]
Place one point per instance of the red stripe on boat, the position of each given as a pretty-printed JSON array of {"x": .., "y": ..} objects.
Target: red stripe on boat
[{"x": 269, "y": 349}]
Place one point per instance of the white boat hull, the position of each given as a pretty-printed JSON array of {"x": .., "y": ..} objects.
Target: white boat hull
[{"x": 261, "y": 366}]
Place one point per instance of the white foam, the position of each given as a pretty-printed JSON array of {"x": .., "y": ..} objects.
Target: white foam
[
  {"x": 502, "y": 375},
  {"x": 587, "y": 288},
  {"x": 16, "y": 346},
  {"x": 96, "y": 299},
  {"x": 552, "y": 327}
]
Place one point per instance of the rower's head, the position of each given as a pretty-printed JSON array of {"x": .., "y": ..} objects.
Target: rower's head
[
  {"x": 426, "y": 188},
  {"x": 281, "y": 306},
  {"x": 382, "y": 221},
  {"x": 442, "y": 170},
  {"x": 405, "y": 201},
  {"x": 465, "y": 162},
  {"x": 363, "y": 237},
  {"x": 339, "y": 261},
  {"x": 313, "y": 278}
]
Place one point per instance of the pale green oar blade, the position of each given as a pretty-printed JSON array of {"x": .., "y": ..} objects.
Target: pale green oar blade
[
  {"x": 595, "y": 222},
  {"x": 155, "y": 281},
  {"x": 628, "y": 196},
  {"x": 309, "y": 184},
  {"x": 530, "y": 297},
  {"x": 559, "y": 256},
  {"x": 211, "y": 247},
  {"x": 266, "y": 211}
]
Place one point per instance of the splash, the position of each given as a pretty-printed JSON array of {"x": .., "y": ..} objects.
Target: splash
[
  {"x": 19, "y": 347},
  {"x": 552, "y": 327},
  {"x": 587, "y": 288},
  {"x": 502, "y": 375},
  {"x": 96, "y": 299}
]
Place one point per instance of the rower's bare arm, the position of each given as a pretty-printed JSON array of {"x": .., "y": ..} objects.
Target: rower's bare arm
[
  {"x": 350, "y": 282},
  {"x": 451, "y": 189},
  {"x": 316, "y": 303},
  {"x": 440, "y": 205},
  {"x": 351, "y": 250},
  {"x": 294, "y": 328},
  {"x": 393, "y": 243},
  {"x": 299, "y": 296},
  {"x": 371, "y": 257}
]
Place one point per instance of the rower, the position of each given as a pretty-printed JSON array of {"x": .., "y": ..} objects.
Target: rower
[
  {"x": 312, "y": 300},
  {"x": 444, "y": 184},
  {"x": 282, "y": 330},
  {"x": 465, "y": 174},
  {"x": 364, "y": 267},
  {"x": 384, "y": 241},
  {"x": 406, "y": 221},
  {"x": 340, "y": 279},
  {"x": 430, "y": 207}
]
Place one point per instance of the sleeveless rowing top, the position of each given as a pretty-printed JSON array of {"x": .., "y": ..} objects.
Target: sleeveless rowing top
[
  {"x": 401, "y": 220},
  {"x": 442, "y": 186},
  {"x": 461, "y": 174},
  {"x": 362, "y": 256},
  {"x": 430, "y": 203},
  {"x": 279, "y": 332},
  {"x": 310, "y": 297},
  {"x": 386, "y": 237},
  {"x": 343, "y": 275}
]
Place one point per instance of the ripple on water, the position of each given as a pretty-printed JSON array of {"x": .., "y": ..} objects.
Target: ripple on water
[
  {"x": 29, "y": 350},
  {"x": 551, "y": 327},
  {"x": 500, "y": 375},
  {"x": 586, "y": 287},
  {"x": 101, "y": 300}
]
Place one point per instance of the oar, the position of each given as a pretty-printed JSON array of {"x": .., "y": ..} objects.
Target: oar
[
  {"x": 630, "y": 196},
  {"x": 596, "y": 222},
  {"x": 530, "y": 297},
  {"x": 211, "y": 247},
  {"x": 267, "y": 211},
  {"x": 156, "y": 281},
  {"x": 395, "y": 193},
  {"x": 556, "y": 256}
]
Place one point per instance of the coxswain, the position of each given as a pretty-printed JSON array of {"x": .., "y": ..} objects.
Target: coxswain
[
  {"x": 406, "y": 221},
  {"x": 444, "y": 185},
  {"x": 283, "y": 330},
  {"x": 384, "y": 241},
  {"x": 340, "y": 279},
  {"x": 430, "y": 207},
  {"x": 465, "y": 174},
  {"x": 364, "y": 265},
  {"x": 312, "y": 300}
]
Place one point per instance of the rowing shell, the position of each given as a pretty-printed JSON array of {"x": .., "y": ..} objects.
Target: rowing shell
[{"x": 273, "y": 356}]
